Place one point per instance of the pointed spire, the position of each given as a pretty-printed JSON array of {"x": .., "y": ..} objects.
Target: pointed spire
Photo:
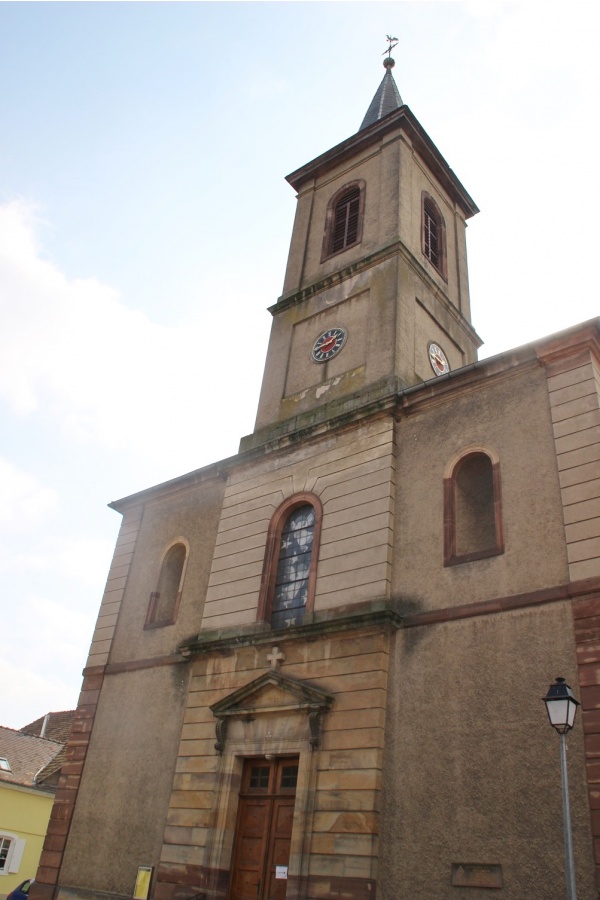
[{"x": 387, "y": 98}]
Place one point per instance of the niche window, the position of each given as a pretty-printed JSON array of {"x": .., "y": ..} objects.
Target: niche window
[
  {"x": 290, "y": 567},
  {"x": 164, "y": 601},
  {"x": 472, "y": 509},
  {"x": 434, "y": 234},
  {"x": 343, "y": 222}
]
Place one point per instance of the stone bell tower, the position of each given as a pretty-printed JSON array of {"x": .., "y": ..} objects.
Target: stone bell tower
[{"x": 376, "y": 293}]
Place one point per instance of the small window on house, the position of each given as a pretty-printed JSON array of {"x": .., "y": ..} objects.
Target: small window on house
[
  {"x": 343, "y": 224},
  {"x": 434, "y": 235},
  {"x": 473, "y": 521},
  {"x": 289, "y": 572},
  {"x": 164, "y": 601},
  {"x": 5, "y": 845},
  {"x": 4, "y": 764}
]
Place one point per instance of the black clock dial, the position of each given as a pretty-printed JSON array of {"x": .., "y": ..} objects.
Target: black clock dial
[{"x": 328, "y": 344}]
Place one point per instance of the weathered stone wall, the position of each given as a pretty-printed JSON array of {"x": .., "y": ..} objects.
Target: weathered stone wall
[
  {"x": 472, "y": 772},
  {"x": 491, "y": 412},
  {"x": 338, "y": 799},
  {"x": 353, "y": 475}
]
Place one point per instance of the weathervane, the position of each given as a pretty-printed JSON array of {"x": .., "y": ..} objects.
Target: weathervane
[{"x": 392, "y": 43}]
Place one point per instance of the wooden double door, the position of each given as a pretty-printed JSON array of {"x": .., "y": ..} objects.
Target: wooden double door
[{"x": 261, "y": 850}]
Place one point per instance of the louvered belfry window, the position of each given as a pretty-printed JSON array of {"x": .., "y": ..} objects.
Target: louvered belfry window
[
  {"x": 431, "y": 233},
  {"x": 293, "y": 568},
  {"x": 345, "y": 225}
]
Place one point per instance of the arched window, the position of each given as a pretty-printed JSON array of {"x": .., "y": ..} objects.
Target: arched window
[
  {"x": 290, "y": 566},
  {"x": 343, "y": 222},
  {"x": 434, "y": 234},
  {"x": 164, "y": 601},
  {"x": 472, "y": 508}
]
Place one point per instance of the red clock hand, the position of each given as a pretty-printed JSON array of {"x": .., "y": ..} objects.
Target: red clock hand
[{"x": 328, "y": 345}]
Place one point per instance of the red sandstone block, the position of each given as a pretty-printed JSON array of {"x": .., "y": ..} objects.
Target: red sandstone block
[
  {"x": 84, "y": 712},
  {"x": 589, "y": 674},
  {"x": 591, "y": 721},
  {"x": 590, "y": 697},
  {"x": 72, "y": 768},
  {"x": 92, "y": 682},
  {"x": 585, "y": 607},
  {"x": 587, "y": 629},
  {"x": 65, "y": 795},
  {"x": 51, "y": 858},
  {"x": 46, "y": 875},
  {"x": 76, "y": 751},
  {"x": 81, "y": 725},
  {"x": 62, "y": 811},
  {"x": 164, "y": 891},
  {"x": 69, "y": 782},
  {"x": 594, "y": 798},
  {"x": 40, "y": 891},
  {"x": 174, "y": 873},
  {"x": 56, "y": 827},
  {"x": 88, "y": 698},
  {"x": 588, "y": 652},
  {"x": 55, "y": 842},
  {"x": 592, "y": 745}
]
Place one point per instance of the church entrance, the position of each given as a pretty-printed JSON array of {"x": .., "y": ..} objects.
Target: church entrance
[{"x": 261, "y": 849}]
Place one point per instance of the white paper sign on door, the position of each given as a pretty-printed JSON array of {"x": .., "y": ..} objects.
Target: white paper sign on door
[{"x": 281, "y": 871}]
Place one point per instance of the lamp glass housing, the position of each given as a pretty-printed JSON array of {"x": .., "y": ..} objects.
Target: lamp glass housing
[{"x": 561, "y": 706}]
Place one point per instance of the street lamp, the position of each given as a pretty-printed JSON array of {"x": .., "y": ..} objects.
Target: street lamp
[{"x": 561, "y": 706}]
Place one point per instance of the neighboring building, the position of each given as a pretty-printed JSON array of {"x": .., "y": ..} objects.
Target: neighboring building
[
  {"x": 30, "y": 761},
  {"x": 318, "y": 666},
  {"x": 54, "y": 726}
]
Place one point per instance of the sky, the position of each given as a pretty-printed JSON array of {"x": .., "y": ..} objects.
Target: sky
[{"x": 144, "y": 228}]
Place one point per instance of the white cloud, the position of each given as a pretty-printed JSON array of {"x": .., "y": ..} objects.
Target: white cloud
[
  {"x": 79, "y": 559},
  {"x": 43, "y": 658},
  {"x": 25, "y": 502},
  {"x": 72, "y": 351},
  {"x": 33, "y": 693}
]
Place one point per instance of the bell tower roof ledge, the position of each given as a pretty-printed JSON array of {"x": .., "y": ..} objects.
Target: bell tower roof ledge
[{"x": 402, "y": 119}]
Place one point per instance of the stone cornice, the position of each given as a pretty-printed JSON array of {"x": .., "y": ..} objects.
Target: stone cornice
[
  {"x": 404, "y": 119},
  {"x": 260, "y": 634},
  {"x": 367, "y": 262},
  {"x": 384, "y": 398}
]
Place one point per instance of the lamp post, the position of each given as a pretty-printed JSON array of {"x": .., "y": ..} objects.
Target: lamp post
[{"x": 561, "y": 706}]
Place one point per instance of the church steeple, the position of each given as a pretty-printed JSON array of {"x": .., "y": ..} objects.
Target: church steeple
[
  {"x": 376, "y": 292},
  {"x": 387, "y": 97}
]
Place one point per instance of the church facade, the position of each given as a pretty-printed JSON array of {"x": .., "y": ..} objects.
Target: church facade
[{"x": 318, "y": 665}]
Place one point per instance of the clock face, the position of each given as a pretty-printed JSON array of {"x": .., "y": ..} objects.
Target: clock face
[
  {"x": 328, "y": 344},
  {"x": 438, "y": 359}
]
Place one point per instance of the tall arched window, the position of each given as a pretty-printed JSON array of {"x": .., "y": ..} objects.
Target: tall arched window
[
  {"x": 472, "y": 509},
  {"x": 164, "y": 601},
  {"x": 344, "y": 218},
  {"x": 434, "y": 234},
  {"x": 290, "y": 566}
]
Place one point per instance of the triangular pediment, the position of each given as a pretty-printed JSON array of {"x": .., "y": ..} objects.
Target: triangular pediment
[{"x": 272, "y": 691}]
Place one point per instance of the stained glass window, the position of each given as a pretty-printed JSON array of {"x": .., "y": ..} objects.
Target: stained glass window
[{"x": 293, "y": 568}]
